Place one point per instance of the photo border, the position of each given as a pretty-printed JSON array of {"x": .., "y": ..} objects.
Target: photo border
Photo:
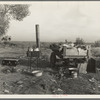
[{"x": 84, "y": 97}]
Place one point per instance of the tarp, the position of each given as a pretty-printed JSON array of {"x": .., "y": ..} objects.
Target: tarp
[{"x": 75, "y": 51}]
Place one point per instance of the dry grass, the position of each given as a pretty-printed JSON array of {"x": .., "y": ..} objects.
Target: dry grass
[{"x": 96, "y": 51}]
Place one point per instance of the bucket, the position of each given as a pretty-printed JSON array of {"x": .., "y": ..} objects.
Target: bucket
[{"x": 74, "y": 74}]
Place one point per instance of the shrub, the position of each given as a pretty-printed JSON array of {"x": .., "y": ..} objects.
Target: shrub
[
  {"x": 79, "y": 41},
  {"x": 97, "y": 43}
]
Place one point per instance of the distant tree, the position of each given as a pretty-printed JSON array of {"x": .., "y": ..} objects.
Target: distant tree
[
  {"x": 79, "y": 41},
  {"x": 66, "y": 41},
  {"x": 6, "y": 39},
  {"x": 13, "y": 11},
  {"x": 97, "y": 43}
]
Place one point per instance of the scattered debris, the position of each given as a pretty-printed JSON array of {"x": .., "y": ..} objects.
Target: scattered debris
[
  {"x": 19, "y": 70},
  {"x": 6, "y": 91},
  {"x": 8, "y": 69},
  {"x": 78, "y": 86},
  {"x": 37, "y": 73},
  {"x": 92, "y": 80},
  {"x": 20, "y": 82},
  {"x": 53, "y": 80}
]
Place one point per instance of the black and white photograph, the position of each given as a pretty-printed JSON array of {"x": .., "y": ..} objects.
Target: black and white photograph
[{"x": 50, "y": 48}]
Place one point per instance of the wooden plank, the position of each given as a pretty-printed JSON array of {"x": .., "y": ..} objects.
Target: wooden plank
[
  {"x": 74, "y": 56},
  {"x": 82, "y": 68}
]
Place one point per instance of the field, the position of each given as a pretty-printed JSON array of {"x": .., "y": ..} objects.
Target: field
[{"x": 17, "y": 82}]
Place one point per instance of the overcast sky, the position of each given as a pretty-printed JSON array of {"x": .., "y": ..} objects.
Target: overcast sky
[{"x": 59, "y": 21}]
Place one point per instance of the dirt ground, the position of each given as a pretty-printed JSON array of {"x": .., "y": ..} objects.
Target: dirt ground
[{"x": 17, "y": 82}]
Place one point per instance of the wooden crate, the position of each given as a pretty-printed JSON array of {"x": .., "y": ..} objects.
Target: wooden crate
[{"x": 33, "y": 54}]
